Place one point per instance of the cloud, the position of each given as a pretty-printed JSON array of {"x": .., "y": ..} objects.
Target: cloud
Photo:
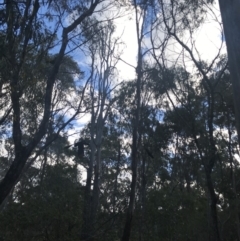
[
  {"x": 204, "y": 43},
  {"x": 126, "y": 28}
]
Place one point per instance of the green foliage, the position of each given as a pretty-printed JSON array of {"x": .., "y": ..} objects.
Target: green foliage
[
  {"x": 186, "y": 123},
  {"x": 45, "y": 209}
]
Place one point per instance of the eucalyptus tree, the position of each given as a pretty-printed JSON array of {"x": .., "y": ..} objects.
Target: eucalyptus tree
[
  {"x": 32, "y": 107},
  {"x": 140, "y": 15},
  {"x": 152, "y": 141},
  {"x": 104, "y": 50},
  {"x": 25, "y": 29},
  {"x": 231, "y": 24},
  {"x": 175, "y": 23},
  {"x": 193, "y": 134}
]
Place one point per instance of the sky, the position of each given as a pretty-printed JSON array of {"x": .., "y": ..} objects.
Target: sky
[{"x": 207, "y": 40}]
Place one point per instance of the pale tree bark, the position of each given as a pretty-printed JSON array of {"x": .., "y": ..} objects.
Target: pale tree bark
[
  {"x": 101, "y": 88},
  {"x": 139, "y": 16}
]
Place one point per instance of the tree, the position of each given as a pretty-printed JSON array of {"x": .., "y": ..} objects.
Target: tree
[
  {"x": 103, "y": 49},
  {"x": 230, "y": 18},
  {"x": 175, "y": 19},
  {"x": 161, "y": 154},
  {"x": 47, "y": 208},
  {"x": 136, "y": 134},
  {"x": 23, "y": 30}
]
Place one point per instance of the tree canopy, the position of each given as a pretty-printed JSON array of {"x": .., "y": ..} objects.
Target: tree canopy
[{"x": 87, "y": 152}]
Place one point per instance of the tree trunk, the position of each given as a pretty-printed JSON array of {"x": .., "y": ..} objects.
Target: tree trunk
[
  {"x": 115, "y": 192},
  {"x": 136, "y": 132},
  {"x": 22, "y": 153},
  {"x": 230, "y": 12},
  {"x": 13, "y": 174},
  {"x": 91, "y": 201},
  {"x": 127, "y": 228},
  {"x": 142, "y": 200},
  {"x": 232, "y": 174},
  {"x": 96, "y": 188},
  {"x": 214, "y": 231},
  {"x": 130, "y": 210},
  {"x": 86, "y": 227}
]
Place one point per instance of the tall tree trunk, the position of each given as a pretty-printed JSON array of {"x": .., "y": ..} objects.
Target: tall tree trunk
[
  {"x": 214, "y": 231},
  {"x": 86, "y": 227},
  {"x": 115, "y": 192},
  {"x": 230, "y": 12},
  {"x": 142, "y": 200},
  {"x": 96, "y": 189},
  {"x": 91, "y": 202},
  {"x": 130, "y": 210},
  {"x": 236, "y": 205},
  {"x": 214, "y": 234},
  {"x": 232, "y": 175}
]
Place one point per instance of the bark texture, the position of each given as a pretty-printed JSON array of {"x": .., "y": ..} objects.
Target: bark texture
[{"x": 230, "y": 12}]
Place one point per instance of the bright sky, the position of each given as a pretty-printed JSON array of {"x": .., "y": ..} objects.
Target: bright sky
[
  {"x": 207, "y": 39},
  {"x": 126, "y": 28}
]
